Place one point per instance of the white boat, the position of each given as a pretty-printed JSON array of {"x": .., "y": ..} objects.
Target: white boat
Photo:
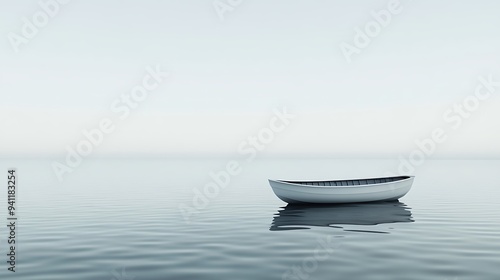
[{"x": 342, "y": 191}]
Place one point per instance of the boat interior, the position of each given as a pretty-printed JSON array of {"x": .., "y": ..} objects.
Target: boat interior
[{"x": 350, "y": 182}]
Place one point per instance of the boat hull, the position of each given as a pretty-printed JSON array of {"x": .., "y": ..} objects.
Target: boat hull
[{"x": 293, "y": 192}]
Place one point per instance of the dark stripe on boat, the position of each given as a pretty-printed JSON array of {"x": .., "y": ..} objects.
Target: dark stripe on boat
[{"x": 350, "y": 182}]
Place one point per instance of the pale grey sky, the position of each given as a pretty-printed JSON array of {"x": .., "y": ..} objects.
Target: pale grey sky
[{"x": 226, "y": 76}]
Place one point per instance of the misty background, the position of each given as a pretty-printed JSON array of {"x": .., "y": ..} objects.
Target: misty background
[{"x": 227, "y": 75}]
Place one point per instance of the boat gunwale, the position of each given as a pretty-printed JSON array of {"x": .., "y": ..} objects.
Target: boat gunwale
[{"x": 295, "y": 183}]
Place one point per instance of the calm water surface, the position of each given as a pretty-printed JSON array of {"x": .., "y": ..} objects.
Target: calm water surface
[{"x": 121, "y": 219}]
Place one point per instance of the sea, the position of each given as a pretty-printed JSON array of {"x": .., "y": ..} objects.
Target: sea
[{"x": 217, "y": 218}]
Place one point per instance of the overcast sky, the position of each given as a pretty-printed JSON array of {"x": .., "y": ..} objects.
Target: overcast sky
[{"x": 230, "y": 67}]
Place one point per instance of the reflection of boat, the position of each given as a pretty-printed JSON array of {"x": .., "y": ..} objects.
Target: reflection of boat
[
  {"x": 300, "y": 216},
  {"x": 342, "y": 191}
]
